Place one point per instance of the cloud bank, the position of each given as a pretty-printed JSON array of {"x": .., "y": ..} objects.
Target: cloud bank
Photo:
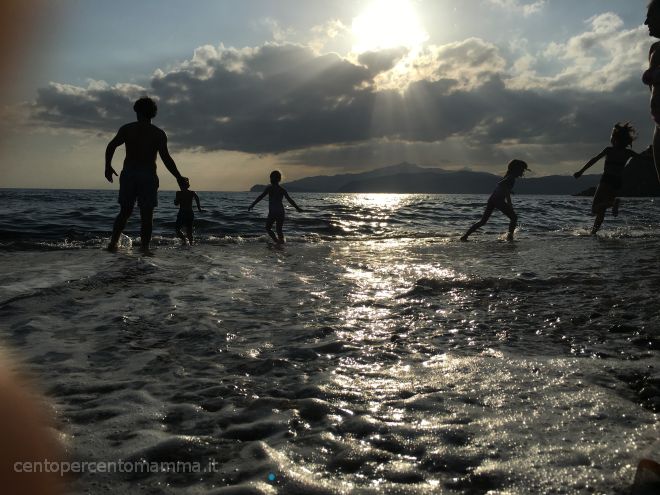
[{"x": 289, "y": 98}]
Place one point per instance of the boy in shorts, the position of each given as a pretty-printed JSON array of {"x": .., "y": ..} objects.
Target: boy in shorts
[{"x": 186, "y": 215}]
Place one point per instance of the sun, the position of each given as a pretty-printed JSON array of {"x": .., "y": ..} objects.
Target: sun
[{"x": 387, "y": 24}]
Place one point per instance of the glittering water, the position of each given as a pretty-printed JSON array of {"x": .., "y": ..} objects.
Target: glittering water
[{"x": 373, "y": 354}]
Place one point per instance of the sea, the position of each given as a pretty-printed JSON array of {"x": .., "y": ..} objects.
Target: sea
[{"x": 374, "y": 353}]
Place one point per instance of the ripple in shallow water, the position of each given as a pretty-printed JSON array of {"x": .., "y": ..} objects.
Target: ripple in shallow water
[{"x": 357, "y": 367}]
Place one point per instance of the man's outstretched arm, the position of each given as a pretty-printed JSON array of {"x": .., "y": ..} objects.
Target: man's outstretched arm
[
  {"x": 116, "y": 141},
  {"x": 168, "y": 161}
]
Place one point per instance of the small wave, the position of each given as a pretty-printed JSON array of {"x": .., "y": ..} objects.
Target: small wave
[
  {"x": 58, "y": 219},
  {"x": 88, "y": 241},
  {"x": 21, "y": 245}
]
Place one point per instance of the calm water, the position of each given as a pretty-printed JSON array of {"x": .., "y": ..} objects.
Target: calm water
[{"x": 373, "y": 354}]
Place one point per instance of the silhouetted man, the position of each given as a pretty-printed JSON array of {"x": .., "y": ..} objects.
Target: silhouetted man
[{"x": 138, "y": 179}]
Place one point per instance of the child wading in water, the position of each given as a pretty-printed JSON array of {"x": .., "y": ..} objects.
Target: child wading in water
[
  {"x": 501, "y": 199},
  {"x": 185, "y": 217},
  {"x": 616, "y": 157},
  {"x": 275, "y": 194}
]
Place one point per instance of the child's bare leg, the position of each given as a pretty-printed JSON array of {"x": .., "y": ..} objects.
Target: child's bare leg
[
  {"x": 598, "y": 209},
  {"x": 278, "y": 227},
  {"x": 604, "y": 205},
  {"x": 178, "y": 231},
  {"x": 603, "y": 199},
  {"x": 272, "y": 236},
  {"x": 513, "y": 221},
  {"x": 615, "y": 207},
  {"x": 472, "y": 229},
  {"x": 598, "y": 221},
  {"x": 189, "y": 232},
  {"x": 269, "y": 229},
  {"x": 484, "y": 218},
  {"x": 180, "y": 235}
]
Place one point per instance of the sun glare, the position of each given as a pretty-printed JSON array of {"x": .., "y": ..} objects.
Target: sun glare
[{"x": 387, "y": 24}]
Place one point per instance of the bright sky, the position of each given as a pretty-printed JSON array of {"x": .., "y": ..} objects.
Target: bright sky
[{"x": 326, "y": 86}]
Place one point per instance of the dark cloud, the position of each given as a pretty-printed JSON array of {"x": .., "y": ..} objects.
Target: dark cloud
[
  {"x": 282, "y": 97},
  {"x": 77, "y": 108},
  {"x": 383, "y": 60}
]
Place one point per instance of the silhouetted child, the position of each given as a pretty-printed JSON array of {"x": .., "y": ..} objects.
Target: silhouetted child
[
  {"x": 185, "y": 217},
  {"x": 501, "y": 199},
  {"x": 616, "y": 158},
  {"x": 275, "y": 194}
]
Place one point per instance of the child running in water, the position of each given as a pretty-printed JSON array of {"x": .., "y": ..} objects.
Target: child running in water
[
  {"x": 616, "y": 158},
  {"x": 185, "y": 217},
  {"x": 501, "y": 199},
  {"x": 275, "y": 194}
]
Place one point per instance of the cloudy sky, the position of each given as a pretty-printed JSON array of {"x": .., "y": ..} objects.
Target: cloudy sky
[{"x": 325, "y": 86}]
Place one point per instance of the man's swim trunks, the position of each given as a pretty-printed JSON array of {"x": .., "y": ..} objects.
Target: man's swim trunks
[{"x": 137, "y": 184}]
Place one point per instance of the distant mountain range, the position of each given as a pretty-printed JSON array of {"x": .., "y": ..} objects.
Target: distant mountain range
[{"x": 639, "y": 180}]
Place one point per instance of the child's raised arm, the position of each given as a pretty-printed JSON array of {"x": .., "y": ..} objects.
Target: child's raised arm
[
  {"x": 590, "y": 163},
  {"x": 197, "y": 201},
  {"x": 261, "y": 196},
  {"x": 291, "y": 202}
]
